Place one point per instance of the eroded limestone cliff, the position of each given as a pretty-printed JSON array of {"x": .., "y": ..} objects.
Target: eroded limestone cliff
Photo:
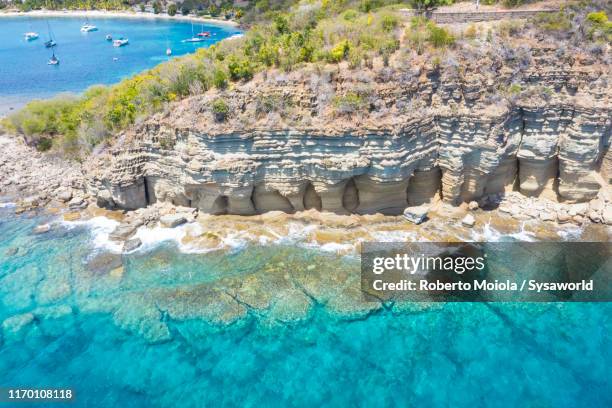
[{"x": 492, "y": 119}]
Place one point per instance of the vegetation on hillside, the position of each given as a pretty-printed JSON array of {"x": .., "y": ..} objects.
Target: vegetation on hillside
[{"x": 352, "y": 32}]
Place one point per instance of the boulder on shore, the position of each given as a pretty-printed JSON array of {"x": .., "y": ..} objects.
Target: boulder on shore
[
  {"x": 172, "y": 220},
  {"x": 416, "y": 214},
  {"x": 468, "y": 221}
]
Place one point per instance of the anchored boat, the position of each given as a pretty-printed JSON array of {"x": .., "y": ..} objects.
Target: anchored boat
[
  {"x": 51, "y": 42},
  {"x": 87, "y": 27},
  {"x": 120, "y": 42},
  {"x": 193, "y": 38},
  {"x": 29, "y": 36},
  {"x": 53, "y": 60}
]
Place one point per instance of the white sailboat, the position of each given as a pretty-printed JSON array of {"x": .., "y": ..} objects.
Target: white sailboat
[
  {"x": 87, "y": 27},
  {"x": 193, "y": 38},
  {"x": 51, "y": 42},
  {"x": 30, "y": 35},
  {"x": 53, "y": 60}
]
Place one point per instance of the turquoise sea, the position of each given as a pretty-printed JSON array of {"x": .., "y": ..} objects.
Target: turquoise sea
[
  {"x": 86, "y": 58},
  {"x": 272, "y": 325}
]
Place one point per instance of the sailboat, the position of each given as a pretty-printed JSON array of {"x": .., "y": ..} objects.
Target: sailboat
[
  {"x": 203, "y": 33},
  {"x": 50, "y": 43},
  {"x": 53, "y": 60},
  {"x": 30, "y": 35},
  {"x": 193, "y": 38},
  {"x": 168, "y": 49},
  {"x": 87, "y": 27}
]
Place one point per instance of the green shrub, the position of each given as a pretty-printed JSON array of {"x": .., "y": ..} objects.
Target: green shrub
[
  {"x": 239, "y": 68},
  {"x": 552, "y": 21},
  {"x": 172, "y": 10},
  {"x": 389, "y": 22},
  {"x": 339, "y": 52},
  {"x": 423, "y": 31},
  {"x": 438, "y": 36},
  {"x": 220, "y": 109},
  {"x": 350, "y": 15},
  {"x": 599, "y": 26},
  {"x": 599, "y": 17},
  {"x": 349, "y": 103},
  {"x": 44, "y": 144},
  {"x": 327, "y": 33},
  {"x": 219, "y": 79}
]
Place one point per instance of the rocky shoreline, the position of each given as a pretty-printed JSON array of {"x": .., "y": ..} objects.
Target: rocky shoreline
[{"x": 58, "y": 186}]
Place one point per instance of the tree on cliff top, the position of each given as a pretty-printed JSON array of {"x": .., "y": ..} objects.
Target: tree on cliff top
[{"x": 427, "y": 5}]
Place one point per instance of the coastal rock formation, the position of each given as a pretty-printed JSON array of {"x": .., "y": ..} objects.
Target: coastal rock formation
[{"x": 375, "y": 141}]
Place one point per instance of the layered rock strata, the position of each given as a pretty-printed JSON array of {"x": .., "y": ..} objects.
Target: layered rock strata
[{"x": 419, "y": 132}]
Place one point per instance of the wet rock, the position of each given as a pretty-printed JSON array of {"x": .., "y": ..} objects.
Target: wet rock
[
  {"x": 132, "y": 244},
  {"x": 123, "y": 232},
  {"x": 172, "y": 220},
  {"x": 72, "y": 216},
  {"x": 468, "y": 221}
]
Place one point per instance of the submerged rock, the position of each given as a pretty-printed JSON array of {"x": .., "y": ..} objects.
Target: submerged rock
[
  {"x": 132, "y": 244},
  {"x": 104, "y": 262},
  {"x": 41, "y": 229}
]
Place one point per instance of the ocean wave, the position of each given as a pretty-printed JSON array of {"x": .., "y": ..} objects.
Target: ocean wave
[
  {"x": 195, "y": 238},
  {"x": 100, "y": 228}
]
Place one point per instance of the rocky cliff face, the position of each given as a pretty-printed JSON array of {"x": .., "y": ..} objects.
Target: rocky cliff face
[{"x": 376, "y": 140}]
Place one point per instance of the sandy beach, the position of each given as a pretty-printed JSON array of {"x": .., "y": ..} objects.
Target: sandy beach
[{"x": 114, "y": 14}]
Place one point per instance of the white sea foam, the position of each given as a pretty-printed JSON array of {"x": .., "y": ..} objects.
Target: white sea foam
[
  {"x": 100, "y": 228},
  {"x": 570, "y": 232},
  {"x": 7, "y": 205}
]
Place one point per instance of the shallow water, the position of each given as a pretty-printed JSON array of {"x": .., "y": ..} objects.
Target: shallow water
[
  {"x": 86, "y": 58},
  {"x": 165, "y": 330}
]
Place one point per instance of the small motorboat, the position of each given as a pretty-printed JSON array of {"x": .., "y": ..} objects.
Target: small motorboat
[
  {"x": 86, "y": 28},
  {"x": 53, "y": 60},
  {"x": 50, "y": 44},
  {"x": 31, "y": 35},
  {"x": 168, "y": 52},
  {"x": 109, "y": 37},
  {"x": 120, "y": 42},
  {"x": 204, "y": 34}
]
